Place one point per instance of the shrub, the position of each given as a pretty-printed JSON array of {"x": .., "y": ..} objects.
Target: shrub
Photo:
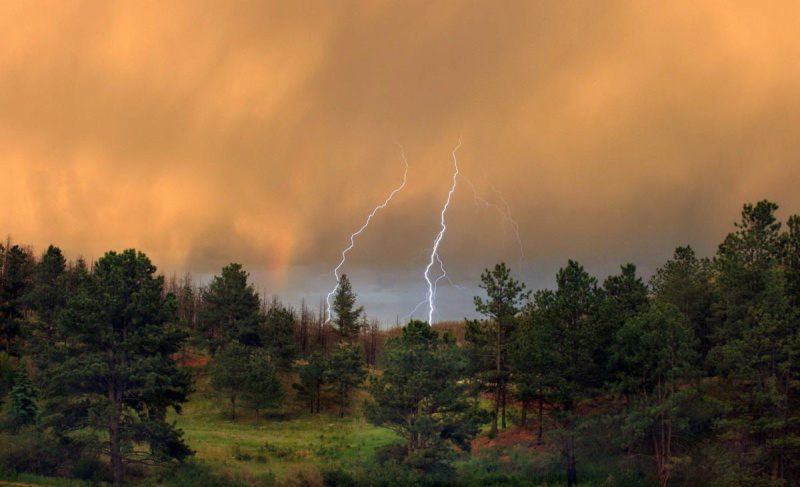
[
  {"x": 193, "y": 474},
  {"x": 32, "y": 451}
]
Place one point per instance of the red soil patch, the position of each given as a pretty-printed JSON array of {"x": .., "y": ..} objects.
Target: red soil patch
[
  {"x": 516, "y": 437},
  {"x": 190, "y": 360}
]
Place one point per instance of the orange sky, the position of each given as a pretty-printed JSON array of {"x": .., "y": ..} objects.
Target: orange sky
[{"x": 263, "y": 133}]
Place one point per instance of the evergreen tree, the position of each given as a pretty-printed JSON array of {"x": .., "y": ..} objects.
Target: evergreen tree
[
  {"x": 239, "y": 371},
  {"x": 231, "y": 310},
  {"x": 228, "y": 372},
  {"x": 47, "y": 299},
  {"x": 277, "y": 336},
  {"x": 15, "y": 278},
  {"x": 22, "y": 409},
  {"x": 312, "y": 376},
  {"x": 791, "y": 261},
  {"x": 757, "y": 345},
  {"x": 421, "y": 396},
  {"x": 528, "y": 357},
  {"x": 263, "y": 387},
  {"x": 347, "y": 319},
  {"x": 684, "y": 281},
  {"x": 623, "y": 296},
  {"x": 344, "y": 364},
  {"x": 492, "y": 337},
  {"x": 564, "y": 324},
  {"x": 115, "y": 373},
  {"x": 345, "y": 372},
  {"x": 655, "y": 356}
]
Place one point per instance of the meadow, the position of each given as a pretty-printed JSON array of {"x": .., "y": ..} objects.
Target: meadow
[{"x": 291, "y": 447}]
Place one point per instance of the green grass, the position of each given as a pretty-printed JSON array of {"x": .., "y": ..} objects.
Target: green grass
[
  {"x": 277, "y": 445},
  {"x": 14, "y": 479},
  {"x": 292, "y": 447}
]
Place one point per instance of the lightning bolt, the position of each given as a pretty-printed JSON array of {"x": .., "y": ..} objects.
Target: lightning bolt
[
  {"x": 431, "y": 295},
  {"x": 512, "y": 222},
  {"x": 364, "y": 226},
  {"x": 504, "y": 211}
]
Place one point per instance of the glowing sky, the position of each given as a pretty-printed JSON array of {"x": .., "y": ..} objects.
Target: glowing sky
[{"x": 263, "y": 133}]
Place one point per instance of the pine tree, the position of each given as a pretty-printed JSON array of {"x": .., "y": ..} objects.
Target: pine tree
[
  {"x": 684, "y": 281},
  {"x": 757, "y": 345},
  {"x": 312, "y": 378},
  {"x": 239, "y": 371},
  {"x": 115, "y": 373},
  {"x": 277, "y": 336},
  {"x": 47, "y": 298},
  {"x": 15, "y": 278},
  {"x": 492, "y": 337},
  {"x": 563, "y": 324},
  {"x": 346, "y": 321},
  {"x": 421, "y": 396},
  {"x": 345, "y": 372},
  {"x": 231, "y": 310},
  {"x": 655, "y": 356},
  {"x": 228, "y": 373},
  {"x": 22, "y": 409}
]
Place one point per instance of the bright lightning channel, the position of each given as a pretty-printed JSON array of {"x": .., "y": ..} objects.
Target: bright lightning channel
[
  {"x": 364, "y": 226},
  {"x": 431, "y": 296}
]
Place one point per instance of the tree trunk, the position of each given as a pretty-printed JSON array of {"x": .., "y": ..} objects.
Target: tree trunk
[
  {"x": 114, "y": 440},
  {"x": 540, "y": 432},
  {"x": 496, "y": 412},
  {"x": 523, "y": 414},
  {"x": 233, "y": 407},
  {"x": 343, "y": 404},
  {"x": 569, "y": 447},
  {"x": 503, "y": 400},
  {"x": 572, "y": 474}
]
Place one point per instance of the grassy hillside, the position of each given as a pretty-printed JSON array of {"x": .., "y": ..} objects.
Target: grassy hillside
[{"x": 289, "y": 442}]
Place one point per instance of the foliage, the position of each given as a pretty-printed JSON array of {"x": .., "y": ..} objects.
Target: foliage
[
  {"x": 563, "y": 325},
  {"x": 32, "y": 450},
  {"x": 505, "y": 294},
  {"x": 230, "y": 310},
  {"x": 312, "y": 374},
  {"x": 685, "y": 282},
  {"x": 345, "y": 372},
  {"x": 22, "y": 409},
  {"x": 347, "y": 321},
  {"x": 757, "y": 347},
  {"x": 491, "y": 338},
  {"x": 47, "y": 297},
  {"x": 247, "y": 372},
  {"x": 621, "y": 297},
  {"x": 263, "y": 388},
  {"x": 194, "y": 474},
  {"x": 700, "y": 377},
  {"x": 15, "y": 273},
  {"x": 654, "y": 353},
  {"x": 277, "y": 336},
  {"x": 6, "y": 376},
  {"x": 115, "y": 373},
  {"x": 421, "y": 397}
]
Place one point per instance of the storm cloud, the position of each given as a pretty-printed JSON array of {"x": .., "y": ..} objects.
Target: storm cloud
[{"x": 265, "y": 132}]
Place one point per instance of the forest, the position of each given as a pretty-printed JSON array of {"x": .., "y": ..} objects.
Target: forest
[{"x": 111, "y": 373}]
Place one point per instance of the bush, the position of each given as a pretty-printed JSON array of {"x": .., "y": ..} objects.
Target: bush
[
  {"x": 32, "y": 451},
  {"x": 338, "y": 478},
  {"x": 89, "y": 467},
  {"x": 193, "y": 474}
]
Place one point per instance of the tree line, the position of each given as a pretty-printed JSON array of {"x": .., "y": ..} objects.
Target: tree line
[
  {"x": 694, "y": 371},
  {"x": 697, "y": 371}
]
